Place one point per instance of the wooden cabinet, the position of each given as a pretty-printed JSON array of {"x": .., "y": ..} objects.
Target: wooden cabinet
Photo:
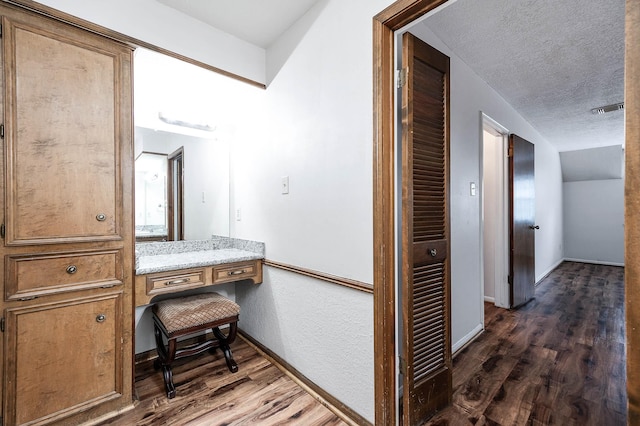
[
  {"x": 67, "y": 231},
  {"x": 150, "y": 285}
]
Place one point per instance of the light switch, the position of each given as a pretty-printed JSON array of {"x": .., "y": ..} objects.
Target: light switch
[
  {"x": 285, "y": 184},
  {"x": 238, "y": 215},
  {"x": 472, "y": 189}
]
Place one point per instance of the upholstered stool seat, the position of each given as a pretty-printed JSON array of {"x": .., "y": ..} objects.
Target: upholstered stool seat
[{"x": 182, "y": 316}]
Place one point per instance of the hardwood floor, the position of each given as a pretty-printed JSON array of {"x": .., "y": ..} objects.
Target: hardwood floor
[
  {"x": 208, "y": 394},
  {"x": 559, "y": 360}
]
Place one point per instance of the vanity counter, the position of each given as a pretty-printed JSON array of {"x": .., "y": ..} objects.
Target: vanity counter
[
  {"x": 192, "y": 259},
  {"x": 171, "y": 267}
]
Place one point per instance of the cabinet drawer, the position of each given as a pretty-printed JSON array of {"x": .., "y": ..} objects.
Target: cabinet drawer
[
  {"x": 174, "y": 281},
  {"x": 238, "y": 271},
  {"x": 31, "y": 276}
]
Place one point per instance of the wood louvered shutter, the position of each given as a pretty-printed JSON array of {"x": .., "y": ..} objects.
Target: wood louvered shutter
[{"x": 425, "y": 232}]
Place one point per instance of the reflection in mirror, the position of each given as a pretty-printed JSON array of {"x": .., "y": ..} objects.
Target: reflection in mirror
[
  {"x": 151, "y": 197},
  {"x": 180, "y": 105}
]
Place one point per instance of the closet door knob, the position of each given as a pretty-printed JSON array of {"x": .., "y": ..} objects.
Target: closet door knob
[{"x": 433, "y": 252}]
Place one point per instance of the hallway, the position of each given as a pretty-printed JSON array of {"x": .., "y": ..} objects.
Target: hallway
[{"x": 559, "y": 360}]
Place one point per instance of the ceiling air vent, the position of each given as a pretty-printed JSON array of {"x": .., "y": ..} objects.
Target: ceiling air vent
[{"x": 608, "y": 108}]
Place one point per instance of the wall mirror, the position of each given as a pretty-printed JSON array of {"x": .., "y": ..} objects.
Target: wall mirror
[{"x": 180, "y": 126}]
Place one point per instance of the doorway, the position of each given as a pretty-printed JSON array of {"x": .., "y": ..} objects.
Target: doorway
[{"x": 495, "y": 247}]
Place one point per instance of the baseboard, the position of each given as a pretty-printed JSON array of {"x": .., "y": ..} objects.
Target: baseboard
[
  {"x": 490, "y": 299},
  {"x": 595, "y": 262},
  {"x": 332, "y": 403},
  {"x": 548, "y": 271},
  {"x": 468, "y": 338}
]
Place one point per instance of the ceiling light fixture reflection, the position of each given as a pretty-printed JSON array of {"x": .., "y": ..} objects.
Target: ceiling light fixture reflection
[{"x": 199, "y": 126}]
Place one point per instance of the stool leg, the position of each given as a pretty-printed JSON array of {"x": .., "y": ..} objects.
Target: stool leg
[
  {"x": 224, "y": 345},
  {"x": 167, "y": 374},
  {"x": 166, "y": 355}
]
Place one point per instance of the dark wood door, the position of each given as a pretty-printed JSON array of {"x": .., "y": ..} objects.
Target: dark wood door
[
  {"x": 522, "y": 214},
  {"x": 426, "y": 351}
]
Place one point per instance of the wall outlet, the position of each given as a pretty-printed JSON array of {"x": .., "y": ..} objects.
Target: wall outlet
[
  {"x": 285, "y": 184},
  {"x": 238, "y": 215}
]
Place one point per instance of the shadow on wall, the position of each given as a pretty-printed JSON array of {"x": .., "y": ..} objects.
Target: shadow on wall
[{"x": 278, "y": 54}]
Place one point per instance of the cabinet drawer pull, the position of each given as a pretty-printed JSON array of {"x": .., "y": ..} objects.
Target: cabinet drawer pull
[
  {"x": 72, "y": 269},
  {"x": 24, "y": 299},
  {"x": 101, "y": 318},
  {"x": 101, "y": 217},
  {"x": 180, "y": 281},
  {"x": 240, "y": 272}
]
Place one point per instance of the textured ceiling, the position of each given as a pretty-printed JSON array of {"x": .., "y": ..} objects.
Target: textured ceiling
[
  {"x": 551, "y": 60},
  {"x": 258, "y": 22}
]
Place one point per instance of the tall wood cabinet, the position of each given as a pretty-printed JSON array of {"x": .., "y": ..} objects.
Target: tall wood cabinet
[{"x": 67, "y": 231}]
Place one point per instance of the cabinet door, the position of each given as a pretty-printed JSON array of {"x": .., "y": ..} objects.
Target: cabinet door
[
  {"x": 62, "y": 358},
  {"x": 63, "y": 92}
]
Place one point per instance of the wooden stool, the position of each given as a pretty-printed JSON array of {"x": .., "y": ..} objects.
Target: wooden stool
[{"x": 178, "y": 317}]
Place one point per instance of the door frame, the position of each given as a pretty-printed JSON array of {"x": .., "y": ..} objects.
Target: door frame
[
  {"x": 501, "y": 289},
  {"x": 393, "y": 18}
]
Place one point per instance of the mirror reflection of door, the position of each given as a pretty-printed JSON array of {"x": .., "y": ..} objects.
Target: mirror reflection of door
[
  {"x": 151, "y": 197},
  {"x": 175, "y": 209}
]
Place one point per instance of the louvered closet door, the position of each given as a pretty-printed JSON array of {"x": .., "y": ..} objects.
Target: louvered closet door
[{"x": 425, "y": 236}]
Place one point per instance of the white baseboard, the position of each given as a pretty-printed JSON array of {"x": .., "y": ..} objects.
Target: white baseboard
[
  {"x": 490, "y": 299},
  {"x": 467, "y": 339},
  {"x": 597, "y": 262},
  {"x": 548, "y": 271}
]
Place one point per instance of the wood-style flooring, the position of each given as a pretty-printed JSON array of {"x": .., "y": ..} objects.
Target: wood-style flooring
[
  {"x": 209, "y": 395},
  {"x": 559, "y": 360}
]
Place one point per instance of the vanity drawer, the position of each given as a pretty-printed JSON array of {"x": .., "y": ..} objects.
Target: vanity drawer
[
  {"x": 30, "y": 276},
  {"x": 238, "y": 271},
  {"x": 170, "y": 282}
]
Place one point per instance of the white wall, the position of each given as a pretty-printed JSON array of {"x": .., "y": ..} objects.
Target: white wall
[
  {"x": 594, "y": 221},
  {"x": 469, "y": 97},
  {"x": 162, "y": 26},
  {"x": 317, "y": 130}
]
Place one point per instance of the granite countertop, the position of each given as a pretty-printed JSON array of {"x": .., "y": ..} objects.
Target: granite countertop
[{"x": 175, "y": 255}]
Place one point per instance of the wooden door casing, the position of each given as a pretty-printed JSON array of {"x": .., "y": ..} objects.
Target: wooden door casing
[
  {"x": 425, "y": 232},
  {"x": 522, "y": 211}
]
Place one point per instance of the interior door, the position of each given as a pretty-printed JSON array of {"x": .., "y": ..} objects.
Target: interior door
[
  {"x": 426, "y": 351},
  {"x": 522, "y": 213}
]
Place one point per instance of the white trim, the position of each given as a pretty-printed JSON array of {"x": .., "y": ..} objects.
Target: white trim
[
  {"x": 467, "y": 339},
  {"x": 501, "y": 267},
  {"x": 597, "y": 262},
  {"x": 489, "y": 299},
  {"x": 548, "y": 271}
]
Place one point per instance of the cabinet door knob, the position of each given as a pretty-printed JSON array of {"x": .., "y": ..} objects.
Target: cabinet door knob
[
  {"x": 72, "y": 269},
  {"x": 101, "y": 318},
  {"x": 101, "y": 217}
]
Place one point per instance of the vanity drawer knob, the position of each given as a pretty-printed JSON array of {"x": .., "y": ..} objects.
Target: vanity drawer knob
[
  {"x": 101, "y": 217},
  {"x": 240, "y": 272},
  {"x": 72, "y": 269},
  {"x": 101, "y": 318}
]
